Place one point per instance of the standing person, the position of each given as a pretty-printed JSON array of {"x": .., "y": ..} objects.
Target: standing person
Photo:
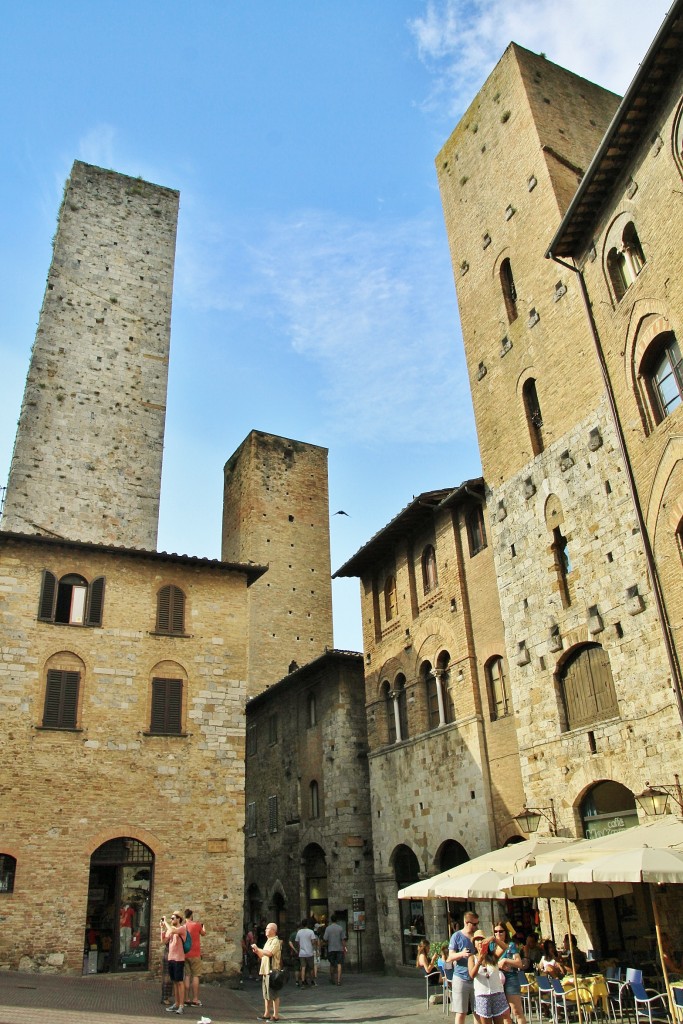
[
  {"x": 174, "y": 935},
  {"x": 193, "y": 959},
  {"x": 126, "y": 918},
  {"x": 306, "y": 941},
  {"x": 460, "y": 949},
  {"x": 510, "y": 963},
  {"x": 489, "y": 999},
  {"x": 335, "y": 938},
  {"x": 271, "y": 960}
]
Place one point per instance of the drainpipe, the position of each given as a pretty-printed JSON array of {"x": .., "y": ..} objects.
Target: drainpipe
[{"x": 672, "y": 655}]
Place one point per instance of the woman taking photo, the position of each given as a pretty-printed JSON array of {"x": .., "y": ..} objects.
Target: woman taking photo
[
  {"x": 489, "y": 999},
  {"x": 510, "y": 963}
]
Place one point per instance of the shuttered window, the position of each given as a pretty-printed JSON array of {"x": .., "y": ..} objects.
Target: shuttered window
[
  {"x": 167, "y": 706},
  {"x": 171, "y": 610},
  {"x": 272, "y": 813},
  {"x": 588, "y": 688},
  {"x": 251, "y": 819},
  {"x": 61, "y": 699},
  {"x": 71, "y": 600}
]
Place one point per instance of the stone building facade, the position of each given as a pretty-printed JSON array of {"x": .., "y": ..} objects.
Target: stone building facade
[
  {"x": 123, "y": 739},
  {"x": 92, "y": 418},
  {"x": 308, "y": 829},
  {"x": 590, "y": 674},
  {"x": 445, "y": 780},
  {"x": 123, "y": 670},
  {"x": 276, "y": 513}
]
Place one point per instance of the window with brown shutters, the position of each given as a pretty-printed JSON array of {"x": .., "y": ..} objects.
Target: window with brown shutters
[
  {"x": 588, "y": 687},
  {"x": 71, "y": 600},
  {"x": 171, "y": 610},
  {"x": 61, "y": 699},
  {"x": 167, "y": 707}
]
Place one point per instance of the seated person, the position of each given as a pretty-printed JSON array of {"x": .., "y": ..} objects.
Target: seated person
[
  {"x": 673, "y": 968},
  {"x": 428, "y": 965},
  {"x": 531, "y": 950},
  {"x": 442, "y": 963},
  {"x": 580, "y": 957},
  {"x": 550, "y": 961}
]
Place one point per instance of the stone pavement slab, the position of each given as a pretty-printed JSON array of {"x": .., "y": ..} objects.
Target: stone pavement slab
[{"x": 361, "y": 999}]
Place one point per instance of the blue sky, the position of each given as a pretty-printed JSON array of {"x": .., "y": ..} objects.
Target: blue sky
[{"x": 313, "y": 294}]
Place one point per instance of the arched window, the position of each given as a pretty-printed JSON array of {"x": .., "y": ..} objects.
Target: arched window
[
  {"x": 63, "y": 678},
  {"x": 625, "y": 257},
  {"x": 389, "y": 712},
  {"x": 662, "y": 370},
  {"x": 497, "y": 688},
  {"x": 476, "y": 531},
  {"x": 171, "y": 610},
  {"x": 71, "y": 600},
  {"x": 534, "y": 418},
  {"x": 616, "y": 268},
  {"x": 607, "y": 807},
  {"x": 430, "y": 580},
  {"x": 401, "y": 698},
  {"x": 312, "y": 710},
  {"x": 432, "y": 694},
  {"x": 587, "y": 687},
  {"x": 314, "y": 802},
  {"x": 563, "y": 565},
  {"x": 443, "y": 668},
  {"x": 507, "y": 283},
  {"x": 390, "y": 599},
  {"x": 8, "y": 869}
]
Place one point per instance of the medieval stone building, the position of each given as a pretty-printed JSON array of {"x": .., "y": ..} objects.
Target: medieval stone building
[
  {"x": 445, "y": 781},
  {"x": 308, "y": 828},
  {"x": 123, "y": 675}
]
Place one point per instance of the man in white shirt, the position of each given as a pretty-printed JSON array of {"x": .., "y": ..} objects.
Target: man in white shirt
[{"x": 307, "y": 943}]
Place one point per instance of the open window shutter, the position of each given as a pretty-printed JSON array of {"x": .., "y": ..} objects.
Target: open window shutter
[
  {"x": 164, "y": 609},
  {"x": 95, "y": 602},
  {"x": 48, "y": 595},
  {"x": 178, "y": 610}
]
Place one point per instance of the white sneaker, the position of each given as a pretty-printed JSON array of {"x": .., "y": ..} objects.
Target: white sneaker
[{"x": 172, "y": 1009}]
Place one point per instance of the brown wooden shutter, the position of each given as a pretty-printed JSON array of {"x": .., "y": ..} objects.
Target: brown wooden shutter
[
  {"x": 164, "y": 609},
  {"x": 48, "y": 595},
  {"x": 177, "y": 610},
  {"x": 61, "y": 699},
  {"x": 589, "y": 688},
  {"x": 93, "y": 615},
  {"x": 167, "y": 705}
]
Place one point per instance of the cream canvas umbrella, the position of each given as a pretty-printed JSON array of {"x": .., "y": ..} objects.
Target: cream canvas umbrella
[
  {"x": 551, "y": 879},
  {"x": 477, "y": 885},
  {"x": 659, "y": 833},
  {"x": 643, "y": 864}
]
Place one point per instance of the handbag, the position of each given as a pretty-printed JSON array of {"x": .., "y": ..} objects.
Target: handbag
[{"x": 276, "y": 979}]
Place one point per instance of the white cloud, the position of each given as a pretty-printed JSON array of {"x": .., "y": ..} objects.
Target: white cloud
[
  {"x": 460, "y": 40},
  {"x": 97, "y": 146},
  {"x": 369, "y": 308}
]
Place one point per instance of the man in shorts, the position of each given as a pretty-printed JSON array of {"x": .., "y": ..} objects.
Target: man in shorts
[
  {"x": 193, "y": 960},
  {"x": 334, "y": 938},
  {"x": 460, "y": 948},
  {"x": 306, "y": 941}
]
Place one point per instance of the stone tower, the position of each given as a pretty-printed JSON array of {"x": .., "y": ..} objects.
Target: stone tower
[
  {"x": 276, "y": 513},
  {"x": 87, "y": 456},
  {"x": 582, "y": 635}
]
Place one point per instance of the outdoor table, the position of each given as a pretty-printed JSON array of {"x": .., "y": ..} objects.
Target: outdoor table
[
  {"x": 679, "y": 1009},
  {"x": 591, "y": 986}
]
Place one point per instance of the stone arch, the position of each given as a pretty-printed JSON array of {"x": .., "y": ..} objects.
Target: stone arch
[{"x": 677, "y": 139}]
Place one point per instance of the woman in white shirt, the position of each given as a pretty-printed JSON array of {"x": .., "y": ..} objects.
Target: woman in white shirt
[{"x": 489, "y": 998}]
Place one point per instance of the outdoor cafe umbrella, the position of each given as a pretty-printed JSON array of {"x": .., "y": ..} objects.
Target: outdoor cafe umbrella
[
  {"x": 551, "y": 880},
  {"x": 643, "y": 864}
]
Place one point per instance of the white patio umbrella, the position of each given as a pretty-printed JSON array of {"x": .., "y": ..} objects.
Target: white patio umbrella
[
  {"x": 659, "y": 833},
  {"x": 643, "y": 864},
  {"x": 551, "y": 879},
  {"x": 477, "y": 885}
]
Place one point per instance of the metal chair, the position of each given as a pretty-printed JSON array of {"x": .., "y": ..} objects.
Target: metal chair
[
  {"x": 678, "y": 1000},
  {"x": 527, "y": 999},
  {"x": 430, "y": 985},
  {"x": 564, "y": 999},
  {"x": 649, "y": 1007},
  {"x": 545, "y": 995},
  {"x": 447, "y": 990}
]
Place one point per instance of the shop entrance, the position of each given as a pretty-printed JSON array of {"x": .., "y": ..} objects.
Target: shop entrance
[{"x": 119, "y": 902}]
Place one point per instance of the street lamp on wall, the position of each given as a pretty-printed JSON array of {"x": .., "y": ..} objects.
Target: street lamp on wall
[
  {"x": 655, "y": 798},
  {"x": 529, "y": 818}
]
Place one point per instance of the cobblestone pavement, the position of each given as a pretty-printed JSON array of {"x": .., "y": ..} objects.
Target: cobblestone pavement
[{"x": 361, "y": 999}]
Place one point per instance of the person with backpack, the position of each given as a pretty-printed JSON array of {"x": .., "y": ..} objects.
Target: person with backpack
[
  {"x": 193, "y": 959},
  {"x": 175, "y": 935}
]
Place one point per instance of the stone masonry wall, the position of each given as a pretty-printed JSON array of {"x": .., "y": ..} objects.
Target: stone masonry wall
[
  {"x": 276, "y": 513},
  {"x": 87, "y": 457},
  {"x": 66, "y": 792}
]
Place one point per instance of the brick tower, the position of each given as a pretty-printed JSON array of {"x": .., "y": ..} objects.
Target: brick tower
[
  {"x": 276, "y": 513},
  {"x": 87, "y": 456}
]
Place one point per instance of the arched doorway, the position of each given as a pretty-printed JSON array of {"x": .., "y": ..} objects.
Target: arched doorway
[
  {"x": 411, "y": 912},
  {"x": 446, "y": 915},
  {"x": 119, "y": 904},
  {"x": 607, "y": 807},
  {"x": 254, "y": 902},
  {"x": 315, "y": 881}
]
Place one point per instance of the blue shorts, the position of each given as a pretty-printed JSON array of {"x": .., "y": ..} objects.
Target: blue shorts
[{"x": 176, "y": 970}]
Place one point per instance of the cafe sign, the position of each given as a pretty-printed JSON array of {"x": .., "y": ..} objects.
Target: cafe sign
[{"x": 599, "y": 825}]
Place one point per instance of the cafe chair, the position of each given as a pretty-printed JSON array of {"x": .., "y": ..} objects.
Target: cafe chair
[
  {"x": 648, "y": 1008},
  {"x": 678, "y": 1000},
  {"x": 566, "y": 999},
  {"x": 527, "y": 996},
  {"x": 447, "y": 991},
  {"x": 545, "y": 996},
  {"x": 432, "y": 989}
]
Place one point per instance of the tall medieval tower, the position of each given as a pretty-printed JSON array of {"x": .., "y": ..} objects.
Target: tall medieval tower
[
  {"x": 582, "y": 635},
  {"x": 87, "y": 456},
  {"x": 276, "y": 513}
]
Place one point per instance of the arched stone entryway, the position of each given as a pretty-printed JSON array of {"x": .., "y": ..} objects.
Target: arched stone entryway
[{"x": 117, "y": 927}]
